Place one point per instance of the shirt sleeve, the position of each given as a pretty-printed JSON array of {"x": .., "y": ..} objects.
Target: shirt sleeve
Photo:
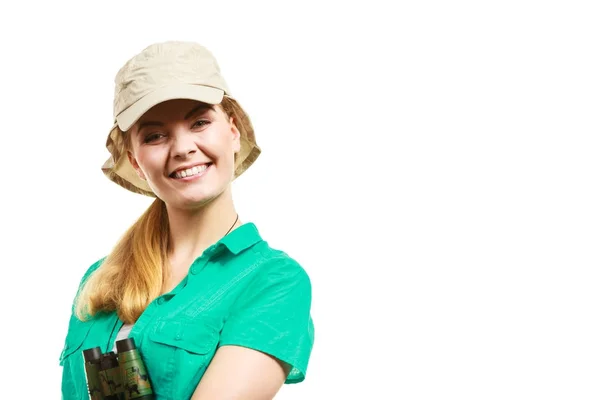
[{"x": 273, "y": 316}]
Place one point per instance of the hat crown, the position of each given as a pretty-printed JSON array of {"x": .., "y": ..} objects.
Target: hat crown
[{"x": 164, "y": 64}]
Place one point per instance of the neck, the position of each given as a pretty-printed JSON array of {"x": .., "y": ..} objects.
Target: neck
[{"x": 192, "y": 231}]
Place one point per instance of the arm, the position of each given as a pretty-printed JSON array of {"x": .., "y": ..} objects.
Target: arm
[{"x": 241, "y": 373}]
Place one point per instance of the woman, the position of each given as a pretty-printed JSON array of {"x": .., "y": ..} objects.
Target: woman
[{"x": 215, "y": 312}]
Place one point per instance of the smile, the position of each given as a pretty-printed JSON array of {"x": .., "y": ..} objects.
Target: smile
[{"x": 190, "y": 172}]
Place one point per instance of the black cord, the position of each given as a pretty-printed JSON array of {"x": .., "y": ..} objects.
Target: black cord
[{"x": 237, "y": 216}]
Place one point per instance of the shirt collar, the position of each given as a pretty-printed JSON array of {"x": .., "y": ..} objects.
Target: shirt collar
[{"x": 241, "y": 238}]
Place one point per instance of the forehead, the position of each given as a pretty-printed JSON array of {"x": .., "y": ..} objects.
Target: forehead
[{"x": 175, "y": 110}]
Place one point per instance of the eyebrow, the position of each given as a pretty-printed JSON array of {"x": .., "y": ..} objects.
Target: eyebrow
[{"x": 203, "y": 106}]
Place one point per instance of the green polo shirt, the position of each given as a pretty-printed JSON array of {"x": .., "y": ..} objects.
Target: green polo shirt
[{"x": 240, "y": 291}]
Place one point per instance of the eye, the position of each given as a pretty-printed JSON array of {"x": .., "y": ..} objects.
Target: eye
[
  {"x": 152, "y": 137},
  {"x": 200, "y": 123}
]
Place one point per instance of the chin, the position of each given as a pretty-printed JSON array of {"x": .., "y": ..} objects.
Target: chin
[
  {"x": 191, "y": 197},
  {"x": 193, "y": 200}
]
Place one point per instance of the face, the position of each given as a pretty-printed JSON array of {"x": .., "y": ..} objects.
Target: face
[{"x": 185, "y": 150}]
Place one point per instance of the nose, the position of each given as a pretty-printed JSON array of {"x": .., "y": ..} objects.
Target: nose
[{"x": 183, "y": 145}]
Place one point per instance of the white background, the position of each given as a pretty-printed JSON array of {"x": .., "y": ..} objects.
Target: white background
[{"x": 433, "y": 165}]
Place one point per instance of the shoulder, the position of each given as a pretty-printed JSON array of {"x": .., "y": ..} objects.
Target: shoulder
[
  {"x": 275, "y": 277},
  {"x": 91, "y": 270},
  {"x": 277, "y": 265}
]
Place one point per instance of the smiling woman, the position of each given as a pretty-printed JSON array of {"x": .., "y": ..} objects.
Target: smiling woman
[{"x": 215, "y": 312}]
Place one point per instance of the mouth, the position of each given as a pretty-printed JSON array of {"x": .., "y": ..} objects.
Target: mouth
[{"x": 190, "y": 173}]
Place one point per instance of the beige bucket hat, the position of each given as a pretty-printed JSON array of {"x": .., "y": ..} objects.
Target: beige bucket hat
[{"x": 161, "y": 72}]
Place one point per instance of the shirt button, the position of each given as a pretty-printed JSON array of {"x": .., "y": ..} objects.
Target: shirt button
[
  {"x": 178, "y": 337},
  {"x": 161, "y": 300},
  {"x": 194, "y": 270}
]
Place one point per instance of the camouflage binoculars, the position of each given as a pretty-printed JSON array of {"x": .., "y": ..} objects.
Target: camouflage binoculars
[{"x": 120, "y": 376}]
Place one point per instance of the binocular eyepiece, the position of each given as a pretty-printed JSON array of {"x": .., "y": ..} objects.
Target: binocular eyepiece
[{"x": 120, "y": 376}]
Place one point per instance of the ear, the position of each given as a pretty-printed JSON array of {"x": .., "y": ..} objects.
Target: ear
[
  {"x": 235, "y": 135},
  {"x": 135, "y": 165}
]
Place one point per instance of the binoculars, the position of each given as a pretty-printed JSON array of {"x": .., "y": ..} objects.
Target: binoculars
[{"x": 120, "y": 376}]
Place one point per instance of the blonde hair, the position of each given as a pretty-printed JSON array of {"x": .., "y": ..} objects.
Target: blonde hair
[{"x": 133, "y": 274}]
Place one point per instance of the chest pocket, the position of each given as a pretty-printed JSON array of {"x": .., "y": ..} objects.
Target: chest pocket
[
  {"x": 177, "y": 355},
  {"x": 71, "y": 358}
]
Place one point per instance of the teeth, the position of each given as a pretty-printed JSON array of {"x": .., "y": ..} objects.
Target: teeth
[{"x": 190, "y": 171}]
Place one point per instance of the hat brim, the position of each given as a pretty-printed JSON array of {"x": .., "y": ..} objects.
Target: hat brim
[{"x": 204, "y": 94}]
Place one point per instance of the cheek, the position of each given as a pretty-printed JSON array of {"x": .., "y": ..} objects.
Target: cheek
[
  {"x": 150, "y": 163},
  {"x": 226, "y": 152},
  {"x": 218, "y": 147}
]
